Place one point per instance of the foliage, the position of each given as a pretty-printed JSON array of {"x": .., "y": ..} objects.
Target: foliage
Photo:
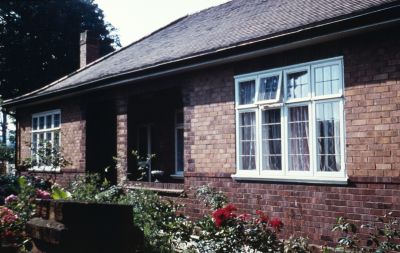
[
  {"x": 164, "y": 228},
  {"x": 143, "y": 165},
  {"x": 210, "y": 197},
  {"x": 7, "y": 153},
  {"x": 44, "y": 35},
  {"x": 11, "y": 228},
  {"x": 384, "y": 238},
  {"x": 297, "y": 245},
  {"x": 225, "y": 231},
  {"x": 24, "y": 206},
  {"x": 85, "y": 188},
  {"x": 46, "y": 155},
  {"x": 8, "y": 186},
  {"x": 384, "y": 235},
  {"x": 57, "y": 192}
]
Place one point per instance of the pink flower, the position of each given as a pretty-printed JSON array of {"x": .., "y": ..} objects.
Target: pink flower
[
  {"x": 11, "y": 198},
  {"x": 42, "y": 194}
]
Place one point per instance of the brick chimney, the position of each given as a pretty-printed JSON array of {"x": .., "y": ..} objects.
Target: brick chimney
[{"x": 89, "y": 48}]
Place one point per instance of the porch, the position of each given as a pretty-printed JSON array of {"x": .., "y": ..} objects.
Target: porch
[{"x": 137, "y": 140}]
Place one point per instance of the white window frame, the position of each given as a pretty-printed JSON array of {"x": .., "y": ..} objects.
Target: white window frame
[
  {"x": 45, "y": 130},
  {"x": 312, "y": 176}
]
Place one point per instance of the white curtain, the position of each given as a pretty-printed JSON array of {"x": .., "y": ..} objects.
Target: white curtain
[
  {"x": 272, "y": 140},
  {"x": 299, "y": 155},
  {"x": 248, "y": 141}
]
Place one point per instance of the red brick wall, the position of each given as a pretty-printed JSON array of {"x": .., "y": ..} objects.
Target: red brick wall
[
  {"x": 306, "y": 209},
  {"x": 372, "y": 114}
]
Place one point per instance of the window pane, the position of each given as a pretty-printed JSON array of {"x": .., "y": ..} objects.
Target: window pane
[
  {"x": 179, "y": 150},
  {"x": 269, "y": 88},
  {"x": 297, "y": 85},
  {"x": 48, "y": 121},
  {"x": 247, "y": 92},
  {"x": 34, "y": 123},
  {"x": 34, "y": 143},
  {"x": 41, "y": 122},
  {"x": 328, "y": 136},
  {"x": 271, "y": 143},
  {"x": 327, "y": 80},
  {"x": 299, "y": 154},
  {"x": 56, "y": 142},
  {"x": 247, "y": 129},
  {"x": 56, "y": 120}
]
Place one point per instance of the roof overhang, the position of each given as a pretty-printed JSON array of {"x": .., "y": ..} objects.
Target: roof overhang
[{"x": 372, "y": 20}]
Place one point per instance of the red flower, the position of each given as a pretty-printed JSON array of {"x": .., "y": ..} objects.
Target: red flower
[
  {"x": 222, "y": 214},
  {"x": 276, "y": 223},
  {"x": 244, "y": 217},
  {"x": 262, "y": 217}
]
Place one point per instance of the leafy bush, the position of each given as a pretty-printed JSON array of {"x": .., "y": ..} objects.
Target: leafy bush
[
  {"x": 225, "y": 231},
  {"x": 165, "y": 230},
  {"x": 8, "y": 186},
  {"x": 384, "y": 235},
  {"x": 11, "y": 228},
  {"x": 211, "y": 197},
  {"x": 85, "y": 188}
]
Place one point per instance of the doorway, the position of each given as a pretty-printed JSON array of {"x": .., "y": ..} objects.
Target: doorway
[{"x": 101, "y": 139}]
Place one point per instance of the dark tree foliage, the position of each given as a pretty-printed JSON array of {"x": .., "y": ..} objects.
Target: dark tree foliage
[{"x": 39, "y": 40}]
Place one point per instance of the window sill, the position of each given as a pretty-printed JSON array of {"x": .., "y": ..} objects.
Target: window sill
[
  {"x": 176, "y": 176},
  {"x": 44, "y": 169},
  {"x": 307, "y": 180}
]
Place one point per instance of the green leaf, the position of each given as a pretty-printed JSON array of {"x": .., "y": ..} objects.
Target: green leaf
[{"x": 59, "y": 193}]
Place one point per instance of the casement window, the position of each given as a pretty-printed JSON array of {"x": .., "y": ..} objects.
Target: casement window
[
  {"x": 45, "y": 137},
  {"x": 179, "y": 143},
  {"x": 290, "y": 123}
]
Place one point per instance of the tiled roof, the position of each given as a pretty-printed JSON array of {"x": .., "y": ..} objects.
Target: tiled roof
[{"x": 219, "y": 27}]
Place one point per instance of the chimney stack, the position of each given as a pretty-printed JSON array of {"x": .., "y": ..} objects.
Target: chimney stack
[{"x": 89, "y": 48}]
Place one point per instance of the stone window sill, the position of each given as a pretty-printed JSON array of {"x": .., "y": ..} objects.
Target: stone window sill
[{"x": 325, "y": 181}]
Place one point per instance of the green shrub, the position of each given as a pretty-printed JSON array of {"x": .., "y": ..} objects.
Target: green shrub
[
  {"x": 165, "y": 230},
  {"x": 85, "y": 188}
]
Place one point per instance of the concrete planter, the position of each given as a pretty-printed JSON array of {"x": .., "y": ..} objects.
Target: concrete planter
[{"x": 68, "y": 226}]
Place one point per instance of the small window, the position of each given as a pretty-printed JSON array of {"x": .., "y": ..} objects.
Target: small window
[
  {"x": 45, "y": 137},
  {"x": 269, "y": 87},
  {"x": 247, "y": 92},
  {"x": 327, "y": 79},
  {"x": 297, "y": 85}
]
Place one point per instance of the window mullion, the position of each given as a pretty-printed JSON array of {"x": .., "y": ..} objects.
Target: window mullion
[
  {"x": 259, "y": 154},
  {"x": 284, "y": 132},
  {"x": 313, "y": 139}
]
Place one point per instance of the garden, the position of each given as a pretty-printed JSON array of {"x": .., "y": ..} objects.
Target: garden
[{"x": 165, "y": 227}]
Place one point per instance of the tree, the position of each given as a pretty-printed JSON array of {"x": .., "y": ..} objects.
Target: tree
[{"x": 39, "y": 40}]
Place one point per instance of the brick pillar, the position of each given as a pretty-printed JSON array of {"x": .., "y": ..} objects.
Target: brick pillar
[{"x": 122, "y": 138}]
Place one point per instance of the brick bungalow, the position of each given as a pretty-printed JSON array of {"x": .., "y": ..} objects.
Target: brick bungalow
[{"x": 288, "y": 106}]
